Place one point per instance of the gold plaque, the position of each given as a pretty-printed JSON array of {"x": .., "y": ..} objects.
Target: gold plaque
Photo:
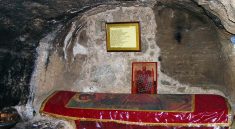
[{"x": 123, "y": 36}]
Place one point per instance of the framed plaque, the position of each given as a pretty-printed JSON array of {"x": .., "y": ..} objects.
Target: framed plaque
[
  {"x": 144, "y": 78},
  {"x": 124, "y": 36}
]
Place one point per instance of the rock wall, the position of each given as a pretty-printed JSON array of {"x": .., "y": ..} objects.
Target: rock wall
[
  {"x": 78, "y": 59},
  {"x": 81, "y": 61},
  {"x": 189, "y": 47},
  {"x": 24, "y": 23},
  {"x": 228, "y": 60},
  {"x": 224, "y": 9}
]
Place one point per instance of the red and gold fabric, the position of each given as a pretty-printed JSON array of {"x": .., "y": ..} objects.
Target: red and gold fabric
[
  {"x": 113, "y": 125},
  {"x": 139, "y": 109}
]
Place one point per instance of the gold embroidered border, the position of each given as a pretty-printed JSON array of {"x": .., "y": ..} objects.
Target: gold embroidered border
[
  {"x": 138, "y": 123},
  {"x": 230, "y": 116},
  {"x": 133, "y": 123},
  {"x": 45, "y": 101}
]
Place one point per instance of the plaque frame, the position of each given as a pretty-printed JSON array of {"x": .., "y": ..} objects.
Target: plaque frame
[{"x": 136, "y": 48}]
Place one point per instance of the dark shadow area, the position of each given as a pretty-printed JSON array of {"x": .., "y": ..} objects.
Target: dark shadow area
[{"x": 190, "y": 48}]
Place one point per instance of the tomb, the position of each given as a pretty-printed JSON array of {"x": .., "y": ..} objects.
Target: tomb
[
  {"x": 137, "y": 110},
  {"x": 142, "y": 64}
]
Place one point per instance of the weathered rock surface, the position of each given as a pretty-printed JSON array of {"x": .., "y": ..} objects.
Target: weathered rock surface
[
  {"x": 189, "y": 47},
  {"x": 24, "y": 23},
  {"x": 44, "y": 123},
  {"x": 80, "y": 61},
  {"x": 224, "y": 9},
  {"x": 73, "y": 54}
]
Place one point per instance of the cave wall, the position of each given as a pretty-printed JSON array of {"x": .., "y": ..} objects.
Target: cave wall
[
  {"x": 189, "y": 48},
  {"x": 80, "y": 61},
  {"x": 223, "y": 9},
  {"x": 228, "y": 59},
  {"x": 77, "y": 59},
  {"x": 24, "y": 23}
]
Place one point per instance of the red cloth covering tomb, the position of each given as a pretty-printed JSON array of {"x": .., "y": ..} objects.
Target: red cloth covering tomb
[{"x": 139, "y": 111}]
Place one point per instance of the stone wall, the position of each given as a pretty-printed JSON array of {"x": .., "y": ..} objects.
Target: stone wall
[
  {"x": 81, "y": 61},
  {"x": 72, "y": 54},
  {"x": 228, "y": 60},
  {"x": 24, "y": 23},
  {"x": 189, "y": 48},
  {"x": 224, "y": 9},
  {"x": 77, "y": 58}
]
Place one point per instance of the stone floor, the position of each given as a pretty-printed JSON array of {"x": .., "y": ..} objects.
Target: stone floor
[
  {"x": 53, "y": 124},
  {"x": 39, "y": 125},
  {"x": 43, "y": 123}
]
